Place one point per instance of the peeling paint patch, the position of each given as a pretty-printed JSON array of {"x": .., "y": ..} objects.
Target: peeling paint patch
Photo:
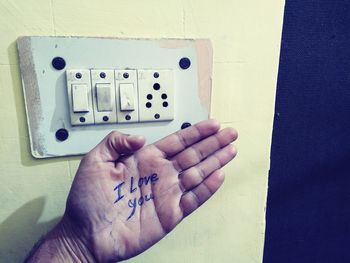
[
  {"x": 204, "y": 51},
  {"x": 31, "y": 96}
]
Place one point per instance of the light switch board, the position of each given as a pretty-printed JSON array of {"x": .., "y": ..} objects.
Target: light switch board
[{"x": 79, "y": 89}]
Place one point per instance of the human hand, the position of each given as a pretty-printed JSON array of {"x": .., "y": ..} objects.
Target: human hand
[{"x": 126, "y": 197}]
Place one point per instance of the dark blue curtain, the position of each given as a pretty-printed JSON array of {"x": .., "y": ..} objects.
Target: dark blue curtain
[{"x": 308, "y": 208}]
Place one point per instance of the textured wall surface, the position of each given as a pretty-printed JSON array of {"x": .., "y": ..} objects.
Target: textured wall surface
[{"x": 246, "y": 41}]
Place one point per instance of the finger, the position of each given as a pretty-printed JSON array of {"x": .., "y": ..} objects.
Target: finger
[
  {"x": 201, "y": 150},
  {"x": 182, "y": 139},
  {"x": 193, "y": 199},
  {"x": 195, "y": 175},
  {"x": 114, "y": 145}
]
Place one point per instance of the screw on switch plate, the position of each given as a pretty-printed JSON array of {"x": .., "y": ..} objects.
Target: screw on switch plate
[
  {"x": 58, "y": 63},
  {"x": 185, "y": 63},
  {"x": 61, "y": 135}
]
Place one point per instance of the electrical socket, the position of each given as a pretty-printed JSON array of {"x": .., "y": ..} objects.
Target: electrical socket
[{"x": 156, "y": 95}]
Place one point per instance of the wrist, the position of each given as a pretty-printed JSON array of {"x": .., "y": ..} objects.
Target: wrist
[{"x": 62, "y": 244}]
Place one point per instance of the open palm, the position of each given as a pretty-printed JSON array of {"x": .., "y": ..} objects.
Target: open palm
[{"x": 126, "y": 197}]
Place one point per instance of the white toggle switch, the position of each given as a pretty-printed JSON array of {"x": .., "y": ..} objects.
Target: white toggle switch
[
  {"x": 127, "y": 99},
  {"x": 126, "y": 88},
  {"x": 80, "y": 98},
  {"x": 104, "y": 97}
]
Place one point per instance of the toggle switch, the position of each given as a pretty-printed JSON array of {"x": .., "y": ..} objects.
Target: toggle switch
[
  {"x": 104, "y": 97},
  {"x": 127, "y": 98},
  {"x": 80, "y": 98},
  {"x": 126, "y": 95},
  {"x": 103, "y": 92}
]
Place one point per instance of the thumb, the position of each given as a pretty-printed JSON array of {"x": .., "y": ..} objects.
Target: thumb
[{"x": 115, "y": 144}]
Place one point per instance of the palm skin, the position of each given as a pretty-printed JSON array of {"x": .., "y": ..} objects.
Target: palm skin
[{"x": 126, "y": 196}]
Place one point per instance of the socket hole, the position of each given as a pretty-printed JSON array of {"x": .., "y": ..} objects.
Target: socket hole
[
  {"x": 149, "y": 96},
  {"x": 126, "y": 75},
  {"x": 148, "y": 105},
  {"x": 156, "y": 86},
  {"x": 82, "y": 119},
  {"x": 164, "y": 96},
  {"x": 156, "y": 75},
  {"x": 165, "y": 104},
  {"x": 128, "y": 117},
  {"x": 156, "y": 116},
  {"x": 78, "y": 75},
  {"x": 102, "y": 75},
  {"x": 105, "y": 118}
]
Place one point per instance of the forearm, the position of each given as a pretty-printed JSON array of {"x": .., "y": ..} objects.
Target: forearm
[{"x": 60, "y": 245}]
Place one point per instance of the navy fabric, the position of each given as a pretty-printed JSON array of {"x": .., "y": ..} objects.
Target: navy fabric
[{"x": 308, "y": 208}]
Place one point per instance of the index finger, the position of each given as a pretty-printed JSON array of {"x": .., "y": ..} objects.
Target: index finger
[{"x": 180, "y": 140}]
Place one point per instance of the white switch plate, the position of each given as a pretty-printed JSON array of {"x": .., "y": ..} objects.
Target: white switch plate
[{"x": 48, "y": 100}]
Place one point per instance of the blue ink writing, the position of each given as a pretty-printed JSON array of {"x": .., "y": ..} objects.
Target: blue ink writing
[
  {"x": 132, "y": 189},
  {"x": 132, "y": 203},
  {"x": 118, "y": 189},
  {"x": 142, "y": 181},
  {"x": 134, "y": 185}
]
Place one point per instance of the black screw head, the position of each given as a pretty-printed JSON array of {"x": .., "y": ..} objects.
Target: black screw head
[
  {"x": 185, "y": 63},
  {"x": 149, "y": 96},
  {"x": 156, "y": 116},
  {"x": 78, "y": 75},
  {"x": 128, "y": 117},
  {"x": 62, "y": 135},
  {"x": 185, "y": 125},
  {"x": 156, "y": 75},
  {"x": 165, "y": 104},
  {"x": 102, "y": 75},
  {"x": 148, "y": 105},
  {"x": 126, "y": 75},
  {"x": 164, "y": 96},
  {"x": 105, "y": 118},
  {"x": 58, "y": 63},
  {"x": 82, "y": 119}
]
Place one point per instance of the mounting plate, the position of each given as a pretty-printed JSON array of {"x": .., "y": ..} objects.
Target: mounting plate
[{"x": 45, "y": 87}]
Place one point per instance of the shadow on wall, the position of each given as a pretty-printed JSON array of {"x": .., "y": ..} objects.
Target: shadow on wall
[{"x": 21, "y": 230}]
